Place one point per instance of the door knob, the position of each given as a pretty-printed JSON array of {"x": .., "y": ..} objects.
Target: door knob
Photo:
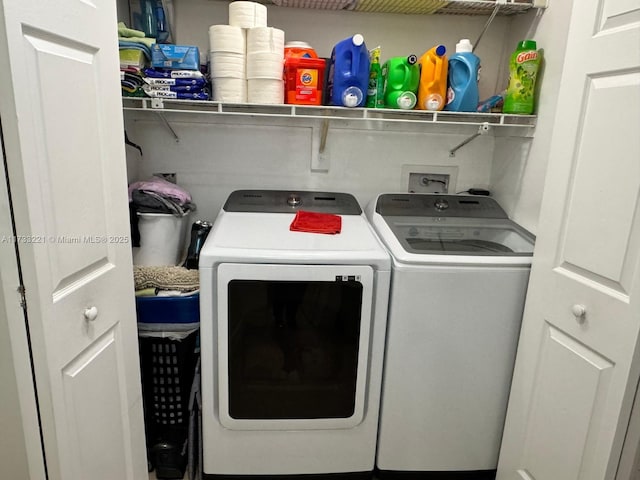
[
  {"x": 579, "y": 311},
  {"x": 90, "y": 314}
]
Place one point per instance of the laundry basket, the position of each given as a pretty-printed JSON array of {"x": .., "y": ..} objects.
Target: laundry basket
[
  {"x": 163, "y": 238},
  {"x": 168, "y": 329}
]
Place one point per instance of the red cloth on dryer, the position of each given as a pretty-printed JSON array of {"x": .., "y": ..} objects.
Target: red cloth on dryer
[{"x": 313, "y": 222}]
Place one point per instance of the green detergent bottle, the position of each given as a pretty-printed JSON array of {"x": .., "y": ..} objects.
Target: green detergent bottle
[
  {"x": 523, "y": 70},
  {"x": 401, "y": 81}
]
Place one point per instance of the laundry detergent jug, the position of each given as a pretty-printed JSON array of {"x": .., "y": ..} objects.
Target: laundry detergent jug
[
  {"x": 464, "y": 66},
  {"x": 348, "y": 77},
  {"x": 432, "y": 92},
  {"x": 303, "y": 74},
  {"x": 401, "y": 80}
]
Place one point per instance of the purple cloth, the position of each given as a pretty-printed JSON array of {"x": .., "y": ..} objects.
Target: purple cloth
[{"x": 161, "y": 187}]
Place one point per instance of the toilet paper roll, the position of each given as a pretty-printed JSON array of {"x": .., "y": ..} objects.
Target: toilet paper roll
[
  {"x": 227, "y": 65},
  {"x": 265, "y": 91},
  {"x": 265, "y": 65},
  {"x": 247, "y": 14},
  {"x": 226, "y": 38},
  {"x": 265, "y": 40},
  {"x": 230, "y": 90}
]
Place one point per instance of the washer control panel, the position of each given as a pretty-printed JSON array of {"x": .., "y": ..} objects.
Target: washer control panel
[{"x": 437, "y": 205}]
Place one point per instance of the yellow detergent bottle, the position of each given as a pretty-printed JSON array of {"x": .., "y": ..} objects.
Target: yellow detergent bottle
[{"x": 432, "y": 93}]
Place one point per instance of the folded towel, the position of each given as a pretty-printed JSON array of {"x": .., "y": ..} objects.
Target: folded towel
[
  {"x": 161, "y": 187},
  {"x": 124, "y": 31},
  {"x": 151, "y": 202},
  {"x": 146, "y": 292},
  {"x": 313, "y": 222},
  {"x": 130, "y": 43},
  {"x": 175, "y": 293},
  {"x": 165, "y": 278}
]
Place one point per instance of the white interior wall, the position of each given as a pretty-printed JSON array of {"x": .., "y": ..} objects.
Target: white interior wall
[
  {"x": 519, "y": 167},
  {"x": 397, "y": 34},
  {"x": 215, "y": 157},
  {"x": 218, "y": 155}
]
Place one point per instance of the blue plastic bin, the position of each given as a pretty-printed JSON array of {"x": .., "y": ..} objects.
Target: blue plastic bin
[{"x": 168, "y": 309}]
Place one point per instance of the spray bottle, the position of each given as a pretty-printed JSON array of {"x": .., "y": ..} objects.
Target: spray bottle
[{"x": 375, "y": 93}]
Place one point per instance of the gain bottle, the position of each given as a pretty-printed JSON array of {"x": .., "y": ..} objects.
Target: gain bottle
[{"x": 523, "y": 70}]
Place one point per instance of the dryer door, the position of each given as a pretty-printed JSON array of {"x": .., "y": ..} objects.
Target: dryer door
[{"x": 293, "y": 345}]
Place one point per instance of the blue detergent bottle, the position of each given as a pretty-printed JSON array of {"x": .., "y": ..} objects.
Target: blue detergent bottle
[
  {"x": 462, "y": 92},
  {"x": 348, "y": 78}
]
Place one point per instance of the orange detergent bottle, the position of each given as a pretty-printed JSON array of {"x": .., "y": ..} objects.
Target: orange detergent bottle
[{"x": 432, "y": 92}]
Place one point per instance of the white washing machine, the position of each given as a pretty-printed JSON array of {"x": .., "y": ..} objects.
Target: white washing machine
[
  {"x": 292, "y": 338},
  {"x": 460, "y": 270}
]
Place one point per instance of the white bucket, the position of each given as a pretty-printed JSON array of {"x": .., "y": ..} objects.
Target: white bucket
[{"x": 162, "y": 239}]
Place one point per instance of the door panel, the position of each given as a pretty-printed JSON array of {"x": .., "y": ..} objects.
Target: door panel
[
  {"x": 610, "y": 236},
  {"x": 89, "y": 414},
  {"x": 62, "y": 124},
  {"x": 577, "y": 365},
  {"x": 559, "y": 424},
  {"x": 618, "y": 13},
  {"x": 76, "y": 160}
]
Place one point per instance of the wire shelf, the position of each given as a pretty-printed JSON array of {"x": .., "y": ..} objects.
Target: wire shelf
[
  {"x": 164, "y": 106},
  {"x": 413, "y": 7}
]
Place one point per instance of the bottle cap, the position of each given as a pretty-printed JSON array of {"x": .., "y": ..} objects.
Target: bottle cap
[
  {"x": 358, "y": 39},
  {"x": 527, "y": 45},
  {"x": 412, "y": 59},
  {"x": 407, "y": 100},
  {"x": 352, "y": 97},
  {"x": 441, "y": 50},
  {"x": 464, "y": 45},
  {"x": 297, "y": 44}
]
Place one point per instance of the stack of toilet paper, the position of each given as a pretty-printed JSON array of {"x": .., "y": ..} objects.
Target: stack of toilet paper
[
  {"x": 265, "y": 61},
  {"x": 246, "y": 57},
  {"x": 227, "y": 63}
]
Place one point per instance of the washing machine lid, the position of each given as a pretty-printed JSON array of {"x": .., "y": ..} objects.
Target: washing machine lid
[
  {"x": 245, "y": 232},
  {"x": 461, "y": 236},
  {"x": 450, "y": 229}
]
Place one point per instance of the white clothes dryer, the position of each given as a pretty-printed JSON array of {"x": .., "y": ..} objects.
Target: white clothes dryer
[
  {"x": 460, "y": 269},
  {"x": 292, "y": 338}
]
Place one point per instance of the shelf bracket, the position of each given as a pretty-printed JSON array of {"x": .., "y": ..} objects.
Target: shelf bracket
[
  {"x": 496, "y": 9},
  {"x": 324, "y": 131},
  {"x": 482, "y": 130},
  {"x": 319, "y": 161},
  {"x": 168, "y": 126}
]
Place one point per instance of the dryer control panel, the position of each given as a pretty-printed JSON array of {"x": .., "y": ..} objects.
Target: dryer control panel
[{"x": 290, "y": 201}]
